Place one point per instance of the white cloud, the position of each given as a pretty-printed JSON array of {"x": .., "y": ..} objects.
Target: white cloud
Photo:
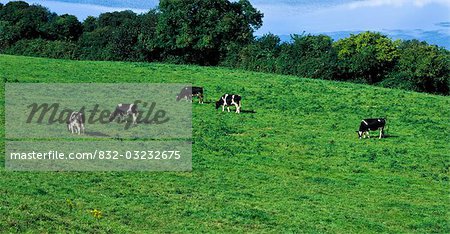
[{"x": 396, "y": 3}]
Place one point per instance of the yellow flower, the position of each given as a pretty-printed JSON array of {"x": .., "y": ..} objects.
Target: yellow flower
[{"x": 96, "y": 213}]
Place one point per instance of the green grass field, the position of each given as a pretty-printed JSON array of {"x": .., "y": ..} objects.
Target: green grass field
[{"x": 294, "y": 165}]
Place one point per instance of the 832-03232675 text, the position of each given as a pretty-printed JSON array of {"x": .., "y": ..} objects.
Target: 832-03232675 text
[{"x": 98, "y": 154}]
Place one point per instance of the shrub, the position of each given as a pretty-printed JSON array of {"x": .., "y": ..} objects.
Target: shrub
[
  {"x": 422, "y": 67},
  {"x": 44, "y": 48}
]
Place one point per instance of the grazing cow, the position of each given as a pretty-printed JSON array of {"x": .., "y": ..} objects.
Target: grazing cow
[
  {"x": 189, "y": 92},
  {"x": 123, "y": 111},
  {"x": 228, "y": 100},
  {"x": 371, "y": 125},
  {"x": 75, "y": 122}
]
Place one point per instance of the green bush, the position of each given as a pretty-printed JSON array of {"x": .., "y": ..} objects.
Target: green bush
[
  {"x": 44, "y": 48},
  {"x": 423, "y": 67},
  {"x": 367, "y": 57},
  {"x": 308, "y": 56}
]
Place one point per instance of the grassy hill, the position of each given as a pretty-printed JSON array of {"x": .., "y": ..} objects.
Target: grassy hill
[{"x": 295, "y": 165}]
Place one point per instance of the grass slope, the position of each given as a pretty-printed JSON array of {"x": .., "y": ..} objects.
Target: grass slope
[{"x": 295, "y": 165}]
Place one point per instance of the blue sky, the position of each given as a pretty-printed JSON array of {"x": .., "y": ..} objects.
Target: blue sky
[{"x": 401, "y": 19}]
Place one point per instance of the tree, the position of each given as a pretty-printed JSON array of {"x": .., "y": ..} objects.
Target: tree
[
  {"x": 116, "y": 19},
  {"x": 367, "y": 56},
  {"x": 308, "y": 56},
  {"x": 22, "y": 21},
  {"x": 146, "y": 44},
  {"x": 123, "y": 42},
  {"x": 93, "y": 44},
  {"x": 421, "y": 67},
  {"x": 89, "y": 24},
  {"x": 114, "y": 38},
  {"x": 12, "y": 11},
  {"x": 65, "y": 27},
  {"x": 261, "y": 55},
  {"x": 201, "y": 31}
]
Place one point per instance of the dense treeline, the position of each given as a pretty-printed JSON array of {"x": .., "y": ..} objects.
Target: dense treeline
[
  {"x": 368, "y": 57},
  {"x": 191, "y": 31},
  {"x": 220, "y": 32}
]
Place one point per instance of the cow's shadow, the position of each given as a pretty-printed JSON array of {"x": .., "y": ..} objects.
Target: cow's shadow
[
  {"x": 97, "y": 134},
  {"x": 242, "y": 111},
  {"x": 248, "y": 111},
  {"x": 390, "y": 136}
]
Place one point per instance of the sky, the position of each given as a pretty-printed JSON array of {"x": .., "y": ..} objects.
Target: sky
[{"x": 400, "y": 19}]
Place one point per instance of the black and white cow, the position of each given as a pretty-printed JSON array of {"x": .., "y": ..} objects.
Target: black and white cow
[
  {"x": 228, "y": 100},
  {"x": 75, "y": 123},
  {"x": 371, "y": 125},
  {"x": 123, "y": 111},
  {"x": 189, "y": 92}
]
